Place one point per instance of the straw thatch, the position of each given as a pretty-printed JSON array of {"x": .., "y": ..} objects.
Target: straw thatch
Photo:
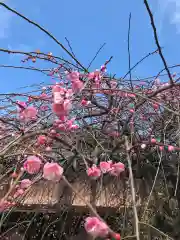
[{"x": 48, "y": 196}]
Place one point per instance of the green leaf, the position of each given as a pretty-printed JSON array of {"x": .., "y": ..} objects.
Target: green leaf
[
  {"x": 158, "y": 139},
  {"x": 166, "y": 147},
  {"x": 131, "y": 105}
]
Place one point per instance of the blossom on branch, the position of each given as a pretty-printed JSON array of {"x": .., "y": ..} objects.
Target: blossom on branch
[
  {"x": 41, "y": 140},
  {"x": 28, "y": 114},
  {"x": 25, "y": 183},
  {"x": 32, "y": 164},
  {"x": 105, "y": 166},
  {"x": 95, "y": 227},
  {"x": 94, "y": 172},
  {"x": 117, "y": 169},
  {"x": 52, "y": 172}
]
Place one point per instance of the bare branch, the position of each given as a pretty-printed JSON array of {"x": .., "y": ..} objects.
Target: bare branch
[{"x": 157, "y": 41}]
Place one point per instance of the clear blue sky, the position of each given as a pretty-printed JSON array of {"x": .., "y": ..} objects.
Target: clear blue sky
[{"x": 87, "y": 25}]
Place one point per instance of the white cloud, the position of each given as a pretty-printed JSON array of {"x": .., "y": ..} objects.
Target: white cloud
[
  {"x": 170, "y": 9},
  {"x": 21, "y": 47},
  {"x": 5, "y": 21}
]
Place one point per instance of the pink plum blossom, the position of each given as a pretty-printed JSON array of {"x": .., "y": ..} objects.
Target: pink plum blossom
[
  {"x": 25, "y": 183},
  {"x": 70, "y": 124},
  {"x": 14, "y": 175},
  {"x": 156, "y": 106},
  {"x": 77, "y": 85},
  {"x": 43, "y": 96},
  {"x": 41, "y": 139},
  {"x": 48, "y": 149},
  {"x": 116, "y": 236},
  {"x": 103, "y": 68},
  {"x": 58, "y": 98},
  {"x": 117, "y": 169},
  {"x": 62, "y": 109},
  {"x": 62, "y": 118},
  {"x": 132, "y": 95},
  {"x": 69, "y": 93},
  {"x": 91, "y": 75},
  {"x": 131, "y": 110},
  {"x": 94, "y": 172},
  {"x": 44, "y": 108},
  {"x": 95, "y": 227},
  {"x": 59, "y": 94},
  {"x": 170, "y": 148},
  {"x": 56, "y": 122},
  {"x": 62, "y": 127},
  {"x": 74, "y": 75},
  {"x": 85, "y": 102},
  {"x": 74, "y": 127},
  {"x": 32, "y": 164},
  {"x": 53, "y": 131},
  {"x": 56, "y": 88},
  {"x": 153, "y": 140},
  {"x": 161, "y": 148},
  {"x": 30, "y": 113},
  {"x": 22, "y": 105},
  {"x": 105, "y": 166},
  {"x": 52, "y": 172}
]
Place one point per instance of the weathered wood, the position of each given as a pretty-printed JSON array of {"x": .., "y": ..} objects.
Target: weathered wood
[{"x": 47, "y": 196}]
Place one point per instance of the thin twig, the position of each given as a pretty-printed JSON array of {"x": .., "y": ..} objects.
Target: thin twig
[
  {"x": 91, "y": 208},
  {"x": 12, "y": 186},
  {"x": 153, "y": 186},
  {"x": 160, "y": 232},
  {"x": 40, "y": 55},
  {"x": 26, "y": 68},
  {"x": 178, "y": 170},
  {"x": 96, "y": 55},
  {"x": 45, "y": 31},
  {"x": 157, "y": 41},
  {"x": 129, "y": 52},
  {"x": 132, "y": 189},
  {"x": 70, "y": 46},
  {"x": 141, "y": 60}
]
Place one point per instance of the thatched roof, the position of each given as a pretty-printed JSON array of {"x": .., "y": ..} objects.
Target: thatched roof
[{"x": 47, "y": 196}]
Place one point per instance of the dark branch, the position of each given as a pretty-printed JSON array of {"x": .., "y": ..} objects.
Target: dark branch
[
  {"x": 45, "y": 31},
  {"x": 157, "y": 41}
]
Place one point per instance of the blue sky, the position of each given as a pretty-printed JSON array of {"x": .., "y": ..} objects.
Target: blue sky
[{"x": 87, "y": 25}]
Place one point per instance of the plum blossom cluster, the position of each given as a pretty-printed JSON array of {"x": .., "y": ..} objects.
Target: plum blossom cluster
[
  {"x": 61, "y": 102},
  {"x": 97, "y": 228},
  {"x": 32, "y": 165},
  {"x": 67, "y": 125},
  {"x": 114, "y": 169},
  {"x": 51, "y": 171},
  {"x": 155, "y": 141},
  {"x": 26, "y": 113}
]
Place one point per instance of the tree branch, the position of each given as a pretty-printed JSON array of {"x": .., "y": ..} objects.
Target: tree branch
[
  {"x": 157, "y": 41},
  {"x": 45, "y": 31}
]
